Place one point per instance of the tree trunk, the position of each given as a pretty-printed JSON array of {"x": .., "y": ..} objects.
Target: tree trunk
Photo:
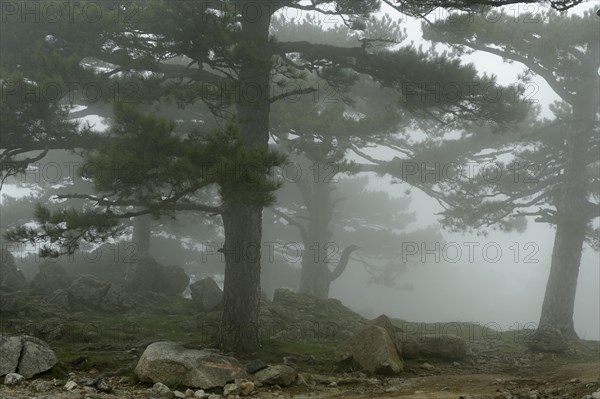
[
  {"x": 239, "y": 332},
  {"x": 141, "y": 250},
  {"x": 141, "y": 235},
  {"x": 239, "y": 329},
  {"x": 572, "y": 219}
]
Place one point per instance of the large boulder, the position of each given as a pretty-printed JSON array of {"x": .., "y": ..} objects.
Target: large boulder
[
  {"x": 174, "y": 280},
  {"x": 445, "y": 347},
  {"x": 408, "y": 347},
  {"x": 88, "y": 292},
  {"x": 169, "y": 362},
  {"x": 51, "y": 277},
  {"x": 149, "y": 275},
  {"x": 25, "y": 355},
  {"x": 10, "y": 276},
  {"x": 206, "y": 294},
  {"x": 373, "y": 350}
]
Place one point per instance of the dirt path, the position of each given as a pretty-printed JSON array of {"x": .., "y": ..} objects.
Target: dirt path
[{"x": 568, "y": 381}]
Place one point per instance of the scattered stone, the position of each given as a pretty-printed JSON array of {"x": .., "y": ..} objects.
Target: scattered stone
[
  {"x": 200, "y": 394},
  {"x": 103, "y": 386},
  {"x": 206, "y": 294},
  {"x": 332, "y": 384},
  {"x": 427, "y": 366},
  {"x": 372, "y": 350},
  {"x": 168, "y": 361},
  {"x": 160, "y": 391},
  {"x": 41, "y": 385},
  {"x": 189, "y": 393},
  {"x": 231, "y": 389},
  {"x": 179, "y": 394},
  {"x": 596, "y": 395},
  {"x": 279, "y": 374},
  {"x": 13, "y": 378},
  {"x": 70, "y": 385},
  {"x": 446, "y": 347},
  {"x": 246, "y": 387}
]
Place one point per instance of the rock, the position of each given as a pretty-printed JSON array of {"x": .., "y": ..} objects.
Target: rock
[
  {"x": 70, "y": 385},
  {"x": 189, "y": 393},
  {"x": 446, "y": 347},
  {"x": 255, "y": 365},
  {"x": 10, "y": 351},
  {"x": 206, "y": 294},
  {"x": 373, "y": 350},
  {"x": 239, "y": 387},
  {"x": 277, "y": 375},
  {"x": 51, "y": 277},
  {"x": 41, "y": 385},
  {"x": 410, "y": 347},
  {"x": 160, "y": 391},
  {"x": 231, "y": 389},
  {"x": 168, "y": 361},
  {"x": 246, "y": 387},
  {"x": 200, "y": 394},
  {"x": 427, "y": 366},
  {"x": 596, "y": 395},
  {"x": 87, "y": 292},
  {"x": 179, "y": 394},
  {"x": 394, "y": 332},
  {"x": 10, "y": 276},
  {"x": 547, "y": 339},
  {"x": 26, "y": 355},
  {"x": 174, "y": 280},
  {"x": 36, "y": 357},
  {"x": 90, "y": 293},
  {"x": 103, "y": 386},
  {"x": 13, "y": 379}
]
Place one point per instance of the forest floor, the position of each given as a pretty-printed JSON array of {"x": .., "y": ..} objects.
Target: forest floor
[{"x": 93, "y": 344}]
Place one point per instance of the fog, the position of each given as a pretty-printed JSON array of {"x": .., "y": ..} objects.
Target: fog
[{"x": 436, "y": 254}]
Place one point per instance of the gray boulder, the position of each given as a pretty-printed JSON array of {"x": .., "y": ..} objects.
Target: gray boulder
[
  {"x": 443, "y": 347},
  {"x": 51, "y": 277},
  {"x": 149, "y": 275},
  {"x": 174, "y": 280},
  {"x": 10, "y": 351},
  {"x": 168, "y": 361},
  {"x": 25, "y": 355},
  {"x": 373, "y": 350},
  {"x": 279, "y": 374},
  {"x": 206, "y": 294},
  {"x": 10, "y": 276},
  {"x": 88, "y": 292}
]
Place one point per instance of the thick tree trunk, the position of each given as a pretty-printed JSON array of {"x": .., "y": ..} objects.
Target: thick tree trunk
[
  {"x": 572, "y": 218},
  {"x": 239, "y": 330}
]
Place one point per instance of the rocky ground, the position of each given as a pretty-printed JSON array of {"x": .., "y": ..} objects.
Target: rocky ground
[{"x": 97, "y": 350}]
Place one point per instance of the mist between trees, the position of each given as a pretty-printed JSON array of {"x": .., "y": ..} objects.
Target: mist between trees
[{"x": 291, "y": 172}]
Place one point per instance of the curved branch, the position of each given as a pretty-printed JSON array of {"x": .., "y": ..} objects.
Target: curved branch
[{"x": 341, "y": 266}]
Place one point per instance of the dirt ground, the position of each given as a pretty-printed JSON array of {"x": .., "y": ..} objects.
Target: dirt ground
[{"x": 565, "y": 381}]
